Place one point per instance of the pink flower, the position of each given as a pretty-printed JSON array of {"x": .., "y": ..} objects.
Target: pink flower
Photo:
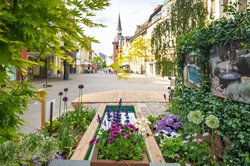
[
  {"x": 177, "y": 155},
  {"x": 110, "y": 140},
  {"x": 130, "y": 126},
  {"x": 115, "y": 133},
  {"x": 205, "y": 134},
  {"x": 199, "y": 141},
  {"x": 185, "y": 141},
  {"x": 126, "y": 135},
  {"x": 93, "y": 141},
  {"x": 189, "y": 136}
]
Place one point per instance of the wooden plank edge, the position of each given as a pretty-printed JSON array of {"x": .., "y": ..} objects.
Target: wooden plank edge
[{"x": 154, "y": 151}]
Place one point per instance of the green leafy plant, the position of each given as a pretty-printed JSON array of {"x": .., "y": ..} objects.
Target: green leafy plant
[
  {"x": 239, "y": 92},
  {"x": 12, "y": 106},
  {"x": 31, "y": 149},
  {"x": 128, "y": 145},
  {"x": 217, "y": 71}
]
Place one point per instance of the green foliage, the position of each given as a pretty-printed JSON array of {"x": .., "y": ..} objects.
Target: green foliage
[
  {"x": 68, "y": 127},
  {"x": 239, "y": 92},
  {"x": 217, "y": 71},
  {"x": 131, "y": 148},
  {"x": 12, "y": 106},
  {"x": 57, "y": 22},
  {"x": 50, "y": 27},
  {"x": 183, "y": 20},
  {"x": 233, "y": 118},
  {"x": 30, "y": 149},
  {"x": 243, "y": 65}
]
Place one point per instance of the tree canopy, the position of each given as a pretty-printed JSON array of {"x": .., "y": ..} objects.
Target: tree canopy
[{"x": 44, "y": 25}]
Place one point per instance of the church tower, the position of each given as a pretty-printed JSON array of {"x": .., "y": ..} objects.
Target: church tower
[{"x": 117, "y": 43}]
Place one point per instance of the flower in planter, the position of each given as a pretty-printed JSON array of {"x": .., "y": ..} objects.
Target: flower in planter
[
  {"x": 170, "y": 123},
  {"x": 120, "y": 141},
  {"x": 195, "y": 117}
]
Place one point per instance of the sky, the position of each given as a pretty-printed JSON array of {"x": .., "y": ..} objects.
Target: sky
[{"x": 132, "y": 12}]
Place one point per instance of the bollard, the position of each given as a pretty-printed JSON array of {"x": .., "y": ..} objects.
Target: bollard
[
  {"x": 42, "y": 96},
  {"x": 51, "y": 119}
]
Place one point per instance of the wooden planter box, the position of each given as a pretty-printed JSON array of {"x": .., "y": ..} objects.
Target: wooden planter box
[
  {"x": 96, "y": 162},
  {"x": 154, "y": 153}
]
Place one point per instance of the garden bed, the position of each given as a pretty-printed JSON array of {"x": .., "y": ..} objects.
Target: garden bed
[{"x": 83, "y": 151}]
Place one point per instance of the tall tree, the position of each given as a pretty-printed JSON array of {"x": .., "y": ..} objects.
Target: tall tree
[
  {"x": 139, "y": 49},
  {"x": 45, "y": 26}
]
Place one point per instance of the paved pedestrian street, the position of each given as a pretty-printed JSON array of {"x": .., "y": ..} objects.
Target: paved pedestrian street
[{"x": 101, "y": 88}]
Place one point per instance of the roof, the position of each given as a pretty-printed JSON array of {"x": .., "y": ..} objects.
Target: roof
[{"x": 119, "y": 27}]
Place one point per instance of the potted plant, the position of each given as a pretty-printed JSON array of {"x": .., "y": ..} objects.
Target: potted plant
[{"x": 119, "y": 143}]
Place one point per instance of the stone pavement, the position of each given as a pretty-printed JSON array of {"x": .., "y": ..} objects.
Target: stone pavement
[
  {"x": 150, "y": 102},
  {"x": 100, "y": 84}
]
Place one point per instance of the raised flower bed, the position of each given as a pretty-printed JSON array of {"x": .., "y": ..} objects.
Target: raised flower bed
[{"x": 114, "y": 141}]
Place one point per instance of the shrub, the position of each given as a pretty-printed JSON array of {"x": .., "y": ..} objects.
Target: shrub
[
  {"x": 32, "y": 149},
  {"x": 217, "y": 71},
  {"x": 243, "y": 65},
  {"x": 239, "y": 92},
  {"x": 234, "y": 119}
]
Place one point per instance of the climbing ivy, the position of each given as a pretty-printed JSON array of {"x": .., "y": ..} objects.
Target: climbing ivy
[{"x": 185, "y": 16}]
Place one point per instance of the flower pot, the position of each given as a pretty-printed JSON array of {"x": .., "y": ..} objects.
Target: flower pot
[{"x": 97, "y": 162}]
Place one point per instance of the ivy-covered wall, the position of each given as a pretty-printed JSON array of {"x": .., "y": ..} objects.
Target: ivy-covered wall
[{"x": 219, "y": 33}]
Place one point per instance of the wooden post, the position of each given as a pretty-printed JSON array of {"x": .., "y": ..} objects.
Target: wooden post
[
  {"x": 42, "y": 95},
  {"x": 51, "y": 118}
]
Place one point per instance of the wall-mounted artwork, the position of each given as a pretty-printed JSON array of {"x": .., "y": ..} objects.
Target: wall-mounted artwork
[
  {"x": 230, "y": 72},
  {"x": 191, "y": 70}
]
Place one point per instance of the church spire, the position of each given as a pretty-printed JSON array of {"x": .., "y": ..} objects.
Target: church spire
[{"x": 119, "y": 27}]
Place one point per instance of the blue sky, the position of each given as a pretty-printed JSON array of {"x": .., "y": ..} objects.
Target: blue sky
[{"x": 133, "y": 12}]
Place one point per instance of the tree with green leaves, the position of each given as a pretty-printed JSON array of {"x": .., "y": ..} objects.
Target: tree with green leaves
[
  {"x": 185, "y": 16},
  {"x": 139, "y": 49},
  {"x": 53, "y": 27}
]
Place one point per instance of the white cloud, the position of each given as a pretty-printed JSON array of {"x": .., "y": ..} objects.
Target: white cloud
[{"x": 133, "y": 12}]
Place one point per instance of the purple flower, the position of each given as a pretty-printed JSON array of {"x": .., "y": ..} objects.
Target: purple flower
[
  {"x": 59, "y": 157},
  {"x": 110, "y": 140},
  {"x": 99, "y": 119},
  {"x": 115, "y": 133},
  {"x": 80, "y": 86},
  {"x": 177, "y": 117},
  {"x": 93, "y": 141},
  {"x": 126, "y": 135},
  {"x": 168, "y": 129},
  {"x": 65, "y": 99},
  {"x": 176, "y": 125},
  {"x": 60, "y": 93},
  {"x": 169, "y": 121},
  {"x": 130, "y": 126},
  {"x": 66, "y": 90}
]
